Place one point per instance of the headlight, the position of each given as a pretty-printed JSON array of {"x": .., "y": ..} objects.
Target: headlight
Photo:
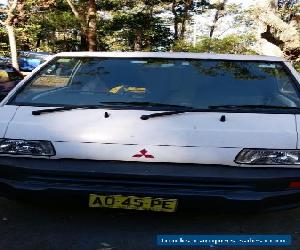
[
  {"x": 24, "y": 147},
  {"x": 268, "y": 157}
]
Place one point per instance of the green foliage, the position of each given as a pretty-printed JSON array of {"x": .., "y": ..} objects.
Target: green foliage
[
  {"x": 131, "y": 30},
  {"x": 288, "y": 9},
  {"x": 297, "y": 66},
  {"x": 50, "y": 26},
  {"x": 231, "y": 44},
  {"x": 127, "y": 25},
  {"x": 133, "y": 25}
]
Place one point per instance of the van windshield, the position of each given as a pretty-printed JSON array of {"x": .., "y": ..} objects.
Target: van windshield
[{"x": 67, "y": 81}]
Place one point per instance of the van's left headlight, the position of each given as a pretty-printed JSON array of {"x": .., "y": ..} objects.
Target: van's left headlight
[
  {"x": 268, "y": 157},
  {"x": 26, "y": 147}
]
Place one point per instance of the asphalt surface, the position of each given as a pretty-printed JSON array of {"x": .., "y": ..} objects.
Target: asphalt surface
[{"x": 36, "y": 227}]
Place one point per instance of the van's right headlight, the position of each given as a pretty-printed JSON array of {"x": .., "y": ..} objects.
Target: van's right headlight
[
  {"x": 268, "y": 157},
  {"x": 26, "y": 147}
]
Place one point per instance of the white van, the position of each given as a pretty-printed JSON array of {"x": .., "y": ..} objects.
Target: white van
[{"x": 154, "y": 131}]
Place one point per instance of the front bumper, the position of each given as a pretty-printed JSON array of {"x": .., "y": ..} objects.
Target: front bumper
[{"x": 195, "y": 186}]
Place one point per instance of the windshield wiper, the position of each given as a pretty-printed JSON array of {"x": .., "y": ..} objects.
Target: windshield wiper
[
  {"x": 146, "y": 117},
  {"x": 180, "y": 111},
  {"x": 104, "y": 105},
  {"x": 231, "y": 107},
  {"x": 236, "y": 107},
  {"x": 66, "y": 108},
  {"x": 179, "y": 108}
]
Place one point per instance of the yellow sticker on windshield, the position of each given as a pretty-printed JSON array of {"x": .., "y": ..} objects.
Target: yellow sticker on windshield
[
  {"x": 136, "y": 90},
  {"x": 116, "y": 90}
]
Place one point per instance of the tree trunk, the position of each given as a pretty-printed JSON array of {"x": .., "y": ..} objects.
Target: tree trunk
[
  {"x": 9, "y": 26},
  {"x": 88, "y": 23},
  {"x": 92, "y": 26},
  {"x": 175, "y": 20},
  {"x": 220, "y": 9},
  {"x": 12, "y": 45},
  {"x": 83, "y": 40},
  {"x": 187, "y": 6},
  {"x": 138, "y": 41},
  {"x": 38, "y": 43}
]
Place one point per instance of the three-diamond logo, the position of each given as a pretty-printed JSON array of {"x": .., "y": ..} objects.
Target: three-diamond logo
[{"x": 144, "y": 153}]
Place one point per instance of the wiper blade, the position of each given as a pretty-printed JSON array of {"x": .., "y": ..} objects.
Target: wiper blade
[
  {"x": 103, "y": 105},
  {"x": 235, "y": 107},
  {"x": 180, "y": 111},
  {"x": 146, "y": 117},
  {"x": 65, "y": 108},
  {"x": 210, "y": 108},
  {"x": 179, "y": 108}
]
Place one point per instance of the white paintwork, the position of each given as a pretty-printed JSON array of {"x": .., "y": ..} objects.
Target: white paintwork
[
  {"x": 6, "y": 114},
  {"x": 178, "y": 55},
  {"x": 187, "y": 138}
]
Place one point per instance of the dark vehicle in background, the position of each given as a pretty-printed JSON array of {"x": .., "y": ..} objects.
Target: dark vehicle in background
[
  {"x": 9, "y": 77},
  {"x": 29, "y": 60}
]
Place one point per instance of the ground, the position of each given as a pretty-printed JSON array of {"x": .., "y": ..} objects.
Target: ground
[{"x": 34, "y": 227}]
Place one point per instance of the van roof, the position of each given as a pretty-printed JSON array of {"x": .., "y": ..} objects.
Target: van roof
[{"x": 175, "y": 55}]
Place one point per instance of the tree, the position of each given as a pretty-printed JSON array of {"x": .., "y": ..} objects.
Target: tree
[
  {"x": 86, "y": 14},
  {"x": 37, "y": 23},
  {"x": 15, "y": 18},
  {"x": 180, "y": 10},
  {"x": 51, "y": 28},
  {"x": 277, "y": 28},
  {"x": 183, "y": 11},
  {"x": 8, "y": 19},
  {"x": 231, "y": 44},
  {"x": 135, "y": 25},
  {"x": 220, "y": 9}
]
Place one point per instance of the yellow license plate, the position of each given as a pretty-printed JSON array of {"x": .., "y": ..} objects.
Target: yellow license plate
[{"x": 133, "y": 202}]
